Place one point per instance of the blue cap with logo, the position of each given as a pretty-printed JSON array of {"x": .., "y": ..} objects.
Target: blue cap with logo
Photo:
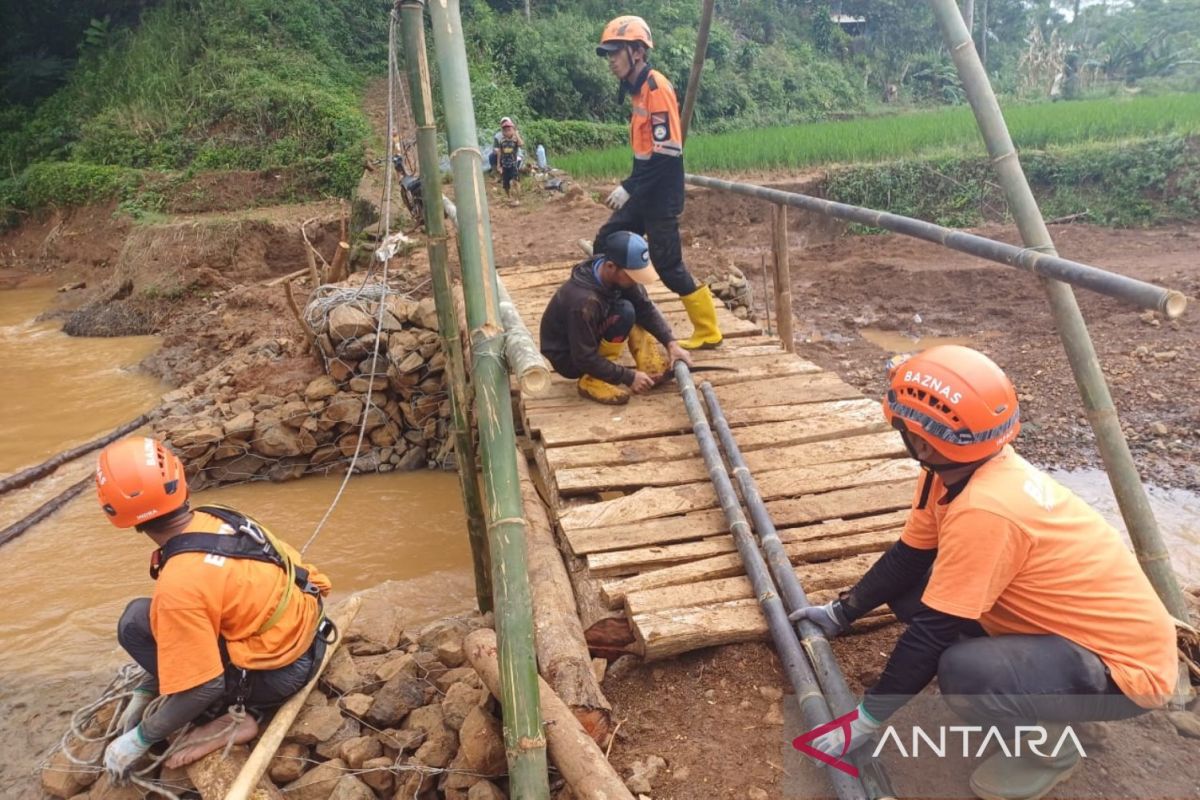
[{"x": 631, "y": 253}]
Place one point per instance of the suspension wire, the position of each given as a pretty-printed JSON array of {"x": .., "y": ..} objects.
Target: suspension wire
[{"x": 382, "y": 309}]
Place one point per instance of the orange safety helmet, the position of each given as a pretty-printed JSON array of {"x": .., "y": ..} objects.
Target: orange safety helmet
[
  {"x": 956, "y": 399},
  {"x": 622, "y": 31},
  {"x": 138, "y": 480}
]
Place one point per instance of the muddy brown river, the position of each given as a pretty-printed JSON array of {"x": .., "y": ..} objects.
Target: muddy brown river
[{"x": 68, "y": 578}]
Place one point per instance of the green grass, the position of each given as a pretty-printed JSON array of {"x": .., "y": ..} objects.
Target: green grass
[{"x": 906, "y": 135}]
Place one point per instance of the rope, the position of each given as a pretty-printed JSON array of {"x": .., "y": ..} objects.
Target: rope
[{"x": 381, "y": 289}]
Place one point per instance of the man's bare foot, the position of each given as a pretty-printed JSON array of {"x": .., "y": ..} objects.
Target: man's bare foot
[{"x": 211, "y": 737}]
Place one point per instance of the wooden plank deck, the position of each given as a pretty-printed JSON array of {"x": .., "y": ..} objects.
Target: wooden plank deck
[{"x": 654, "y": 568}]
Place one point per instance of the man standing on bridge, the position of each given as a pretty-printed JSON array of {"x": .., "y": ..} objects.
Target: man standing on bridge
[
  {"x": 650, "y": 200},
  {"x": 1019, "y": 597},
  {"x": 235, "y": 623},
  {"x": 585, "y": 326}
]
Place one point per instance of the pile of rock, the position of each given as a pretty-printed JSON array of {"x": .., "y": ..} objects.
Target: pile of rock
[
  {"x": 225, "y": 436},
  {"x": 732, "y": 288},
  {"x": 396, "y": 714}
]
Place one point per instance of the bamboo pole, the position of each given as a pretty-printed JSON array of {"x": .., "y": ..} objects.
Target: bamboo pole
[
  {"x": 525, "y": 741},
  {"x": 1139, "y": 293},
  {"x": 268, "y": 743},
  {"x": 1072, "y": 330},
  {"x": 449, "y": 325},
  {"x": 31, "y": 474},
  {"x": 579, "y": 759},
  {"x": 813, "y": 706},
  {"x": 829, "y": 675},
  {"x": 522, "y": 352},
  {"x": 693, "y": 85},
  {"x": 783, "y": 279}
]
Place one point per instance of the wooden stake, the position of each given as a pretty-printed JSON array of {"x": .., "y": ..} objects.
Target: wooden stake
[
  {"x": 269, "y": 742},
  {"x": 291, "y": 301},
  {"x": 783, "y": 279},
  {"x": 578, "y": 758}
]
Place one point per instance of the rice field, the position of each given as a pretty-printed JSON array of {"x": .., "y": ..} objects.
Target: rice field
[{"x": 917, "y": 133}]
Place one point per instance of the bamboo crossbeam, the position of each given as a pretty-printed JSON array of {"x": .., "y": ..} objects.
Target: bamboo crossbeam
[
  {"x": 1130, "y": 290},
  {"x": 31, "y": 474}
]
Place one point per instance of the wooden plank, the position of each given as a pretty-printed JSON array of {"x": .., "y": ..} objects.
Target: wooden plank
[
  {"x": 625, "y": 562},
  {"x": 760, "y": 462},
  {"x": 838, "y": 419},
  {"x": 712, "y": 593},
  {"x": 562, "y": 391},
  {"x": 662, "y": 634},
  {"x": 655, "y": 502},
  {"x": 662, "y": 413},
  {"x": 841, "y": 503},
  {"x": 613, "y": 591},
  {"x": 814, "y": 578}
]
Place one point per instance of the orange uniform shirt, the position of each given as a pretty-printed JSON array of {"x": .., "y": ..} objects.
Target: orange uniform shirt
[
  {"x": 200, "y": 596},
  {"x": 1023, "y": 555},
  {"x": 654, "y": 122}
]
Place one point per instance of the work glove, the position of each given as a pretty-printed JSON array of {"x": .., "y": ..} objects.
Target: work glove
[
  {"x": 833, "y": 743},
  {"x": 618, "y": 198},
  {"x": 123, "y": 752},
  {"x": 134, "y": 709},
  {"x": 830, "y": 618}
]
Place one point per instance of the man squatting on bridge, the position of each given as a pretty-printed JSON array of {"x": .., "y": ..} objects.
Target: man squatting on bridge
[
  {"x": 604, "y": 302},
  {"x": 1018, "y": 596},
  {"x": 236, "y": 621}
]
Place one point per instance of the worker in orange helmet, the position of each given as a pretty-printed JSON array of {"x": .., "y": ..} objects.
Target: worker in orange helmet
[
  {"x": 235, "y": 622},
  {"x": 650, "y": 200},
  {"x": 1019, "y": 597}
]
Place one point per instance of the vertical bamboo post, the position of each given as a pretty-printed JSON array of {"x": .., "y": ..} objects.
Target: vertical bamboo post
[
  {"x": 416, "y": 60},
  {"x": 693, "y": 84},
  {"x": 783, "y": 277},
  {"x": 1114, "y": 450},
  {"x": 524, "y": 739}
]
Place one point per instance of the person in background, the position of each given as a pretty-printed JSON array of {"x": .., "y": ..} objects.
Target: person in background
[
  {"x": 650, "y": 200},
  {"x": 585, "y": 326},
  {"x": 1019, "y": 597},
  {"x": 508, "y": 130},
  {"x": 235, "y": 622}
]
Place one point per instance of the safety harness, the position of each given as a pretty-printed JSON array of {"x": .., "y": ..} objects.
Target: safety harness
[{"x": 249, "y": 540}]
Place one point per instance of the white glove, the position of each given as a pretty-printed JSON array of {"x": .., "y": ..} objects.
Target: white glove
[
  {"x": 123, "y": 752},
  {"x": 833, "y": 743},
  {"x": 134, "y": 709},
  {"x": 618, "y": 198}
]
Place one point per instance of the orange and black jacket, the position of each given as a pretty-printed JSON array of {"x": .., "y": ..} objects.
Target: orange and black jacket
[{"x": 656, "y": 183}]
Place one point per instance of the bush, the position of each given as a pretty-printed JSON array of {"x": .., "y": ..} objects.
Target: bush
[
  {"x": 67, "y": 183},
  {"x": 569, "y": 136}
]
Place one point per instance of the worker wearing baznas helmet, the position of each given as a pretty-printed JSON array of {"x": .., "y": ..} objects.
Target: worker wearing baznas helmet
[
  {"x": 650, "y": 200},
  {"x": 1019, "y": 597}
]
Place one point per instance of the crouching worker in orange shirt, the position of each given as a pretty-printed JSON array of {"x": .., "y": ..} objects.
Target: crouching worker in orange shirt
[
  {"x": 1019, "y": 597},
  {"x": 235, "y": 622}
]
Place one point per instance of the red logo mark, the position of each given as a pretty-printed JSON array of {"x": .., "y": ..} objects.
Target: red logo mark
[{"x": 843, "y": 722}]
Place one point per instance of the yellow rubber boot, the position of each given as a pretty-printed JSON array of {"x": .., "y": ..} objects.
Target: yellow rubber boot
[
  {"x": 647, "y": 353},
  {"x": 610, "y": 394},
  {"x": 703, "y": 314}
]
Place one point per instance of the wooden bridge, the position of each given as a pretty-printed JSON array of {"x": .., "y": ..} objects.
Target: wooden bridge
[{"x": 654, "y": 568}]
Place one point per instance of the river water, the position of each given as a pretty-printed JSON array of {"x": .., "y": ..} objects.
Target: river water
[{"x": 68, "y": 578}]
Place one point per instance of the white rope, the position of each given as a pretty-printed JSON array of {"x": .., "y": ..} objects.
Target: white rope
[{"x": 380, "y": 289}]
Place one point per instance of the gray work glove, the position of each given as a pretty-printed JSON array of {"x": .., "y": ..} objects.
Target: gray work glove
[
  {"x": 830, "y": 618},
  {"x": 134, "y": 709}
]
